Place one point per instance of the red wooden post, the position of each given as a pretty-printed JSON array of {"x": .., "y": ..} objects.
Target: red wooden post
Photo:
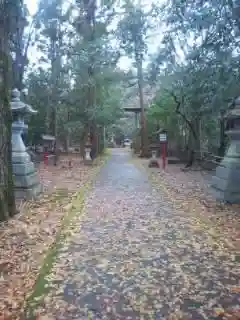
[{"x": 164, "y": 154}]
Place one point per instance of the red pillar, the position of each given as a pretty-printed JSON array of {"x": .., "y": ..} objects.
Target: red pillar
[
  {"x": 164, "y": 154},
  {"x": 45, "y": 159}
]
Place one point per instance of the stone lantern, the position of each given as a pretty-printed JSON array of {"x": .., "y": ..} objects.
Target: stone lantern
[
  {"x": 226, "y": 182},
  {"x": 26, "y": 180}
]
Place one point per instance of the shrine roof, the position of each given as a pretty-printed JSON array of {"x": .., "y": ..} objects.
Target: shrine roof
[{"x": 48, "y": 137}]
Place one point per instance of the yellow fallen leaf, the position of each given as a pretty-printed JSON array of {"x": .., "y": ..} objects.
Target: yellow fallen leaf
[{"x": 219, "y": 311}]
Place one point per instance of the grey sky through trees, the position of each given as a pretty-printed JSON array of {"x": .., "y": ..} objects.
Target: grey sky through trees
[{"x": 125, "y": 62}]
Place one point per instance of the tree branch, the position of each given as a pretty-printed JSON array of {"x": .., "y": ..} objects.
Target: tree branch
[{"x": 178, "y": 111}]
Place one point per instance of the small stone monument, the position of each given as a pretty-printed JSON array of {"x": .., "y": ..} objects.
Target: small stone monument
[
  {"x": 88, "y": 147},
  {"x": 153, "y": 162},
  {"x": 26, "y": 180},
  {"x": 226, "y": 182}
]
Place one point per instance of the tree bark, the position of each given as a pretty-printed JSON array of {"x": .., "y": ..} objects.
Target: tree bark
[
  {"x": 7, "y": 200},
  {"x": 144, "y": 140},
  {"x": 83, "y": 142},
  {"x": 193, "y": 141},
  {"x": 90, "y": 7},
  {"x": 222, "y": 144},
  {"x": 56, "y": 63}
]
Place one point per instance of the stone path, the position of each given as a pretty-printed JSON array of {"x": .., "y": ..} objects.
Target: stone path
[{"x": 132, "y": 257}]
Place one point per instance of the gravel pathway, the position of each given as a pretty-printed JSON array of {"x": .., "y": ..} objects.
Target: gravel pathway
[{"x": 132, "y": 257}]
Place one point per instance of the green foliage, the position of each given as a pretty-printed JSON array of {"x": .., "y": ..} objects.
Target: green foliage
[
  {"x": 78, "y": 86},
  {"x": 132, "y": 30},
  {"x": 162, "y": 115},
  {"x": 38, "y": 97},
  {"x": 198, "y": 64}
]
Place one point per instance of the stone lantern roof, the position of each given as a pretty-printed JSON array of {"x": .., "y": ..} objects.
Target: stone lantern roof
[{"x": 18, "y": 106}]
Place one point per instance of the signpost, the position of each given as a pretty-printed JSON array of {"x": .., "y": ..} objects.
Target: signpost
[{"x": 163, "y": 140}]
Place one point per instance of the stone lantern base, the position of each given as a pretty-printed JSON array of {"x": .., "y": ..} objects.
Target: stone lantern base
[
  {"x": 26, "y": 180},
  {"x": 226, "y": 182}
]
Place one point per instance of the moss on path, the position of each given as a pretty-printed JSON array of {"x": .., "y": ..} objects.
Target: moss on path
[{"x": 74, "y": 209}]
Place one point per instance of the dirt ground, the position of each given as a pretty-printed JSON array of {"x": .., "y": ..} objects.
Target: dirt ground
[
  {"x": 25, "y": 239},
  {"x": 191, "y": 190}
]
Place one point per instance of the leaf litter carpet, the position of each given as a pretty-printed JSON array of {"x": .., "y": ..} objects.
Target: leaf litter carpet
[
  {"x": 132, "y": 256},
  {"x": 25, "y": 239}
]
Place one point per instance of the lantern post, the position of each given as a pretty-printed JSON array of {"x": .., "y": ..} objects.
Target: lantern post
[
  {"x": 163, "y": 141},
  {"x": 26, "y": 180}
]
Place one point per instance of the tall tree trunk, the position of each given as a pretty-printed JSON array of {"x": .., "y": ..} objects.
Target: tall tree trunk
[
  {"x": 90, "y": 7},
  {"x": 56, "y": 63},
  {"x": 101, "y": 139},
  {"x": 222, "y": 142},
  {"x": 21, "y": 45},
  {"x": 193, "y": 141},
  {"x": 83, "y": 140},
  {"x": 7, "y": 200},
  {"x": 144, "y": 139},
  {"x": 55, "y": 83}
]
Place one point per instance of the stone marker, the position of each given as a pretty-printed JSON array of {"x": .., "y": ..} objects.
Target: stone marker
[
  {"x": 26, "y": 180},
  {"x": 153, "y": 162},
  {"x": 88, "y": 146},
  {"x": 226, "y": 182}
]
